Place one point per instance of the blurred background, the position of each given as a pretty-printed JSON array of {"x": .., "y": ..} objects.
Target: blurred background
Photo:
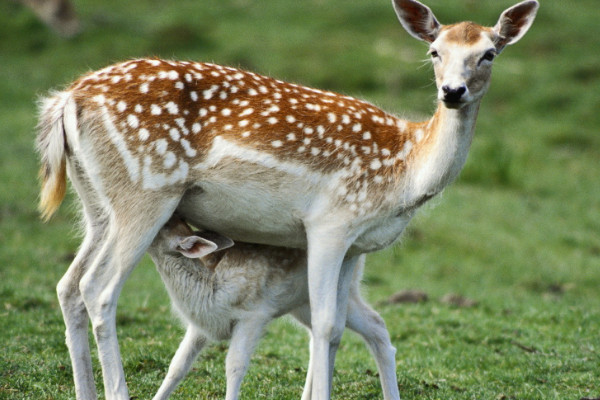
[{"x": 517, "y": 236}]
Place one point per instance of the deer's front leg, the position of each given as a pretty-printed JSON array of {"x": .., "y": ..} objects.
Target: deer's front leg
[{"x": 328, "y": 294}]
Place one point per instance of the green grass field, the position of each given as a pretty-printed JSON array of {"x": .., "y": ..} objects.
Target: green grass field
[{"x": 519, "y": 232}]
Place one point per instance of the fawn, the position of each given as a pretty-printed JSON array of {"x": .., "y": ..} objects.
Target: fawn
[{"x": 222, "y": 292}]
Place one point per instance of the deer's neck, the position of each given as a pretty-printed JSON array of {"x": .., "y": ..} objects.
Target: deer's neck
[{"x": 440, "y": 158}]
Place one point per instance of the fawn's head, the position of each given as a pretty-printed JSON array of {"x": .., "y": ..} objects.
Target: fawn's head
[
  {"x": 177, "y": 238},
  {"x": 463, "y": 53}
]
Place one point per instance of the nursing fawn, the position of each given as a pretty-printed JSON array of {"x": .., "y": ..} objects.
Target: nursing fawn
[{"x": 222, "y": 292}]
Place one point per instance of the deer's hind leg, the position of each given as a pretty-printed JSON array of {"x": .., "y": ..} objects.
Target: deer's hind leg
[
  {"x": 131, "y": 227},
  {"x": 70, "y": 299}
]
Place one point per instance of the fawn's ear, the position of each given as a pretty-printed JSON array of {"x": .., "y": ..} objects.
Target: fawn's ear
[
  {"x": 222, "y": 242},
  {"x": 514, "y": 23},
  {"x": 417, "y": 19},
  {"x": 195, "y": 246}
]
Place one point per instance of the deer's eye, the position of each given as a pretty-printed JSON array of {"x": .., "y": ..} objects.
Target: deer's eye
[
  {"x": 488, "y": 56},
  {"x": 434, "y": 54}
]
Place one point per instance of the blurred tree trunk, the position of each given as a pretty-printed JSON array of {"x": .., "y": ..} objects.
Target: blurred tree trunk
[{"x": 57, "y": 14}]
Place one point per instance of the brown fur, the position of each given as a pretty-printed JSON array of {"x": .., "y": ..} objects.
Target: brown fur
[
  {"x": 300, "y": 122},
  {"x": 466, "y": 33}
]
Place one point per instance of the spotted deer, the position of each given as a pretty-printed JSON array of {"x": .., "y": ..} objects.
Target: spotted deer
[
  {"x": 257, "y": 160},
  {"x": 222, "y": 292}
]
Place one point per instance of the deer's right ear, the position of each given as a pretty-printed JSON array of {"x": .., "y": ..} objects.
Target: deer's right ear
[
  {"x": 417, "y": 19},
  {"x": 195, "y": 246}
]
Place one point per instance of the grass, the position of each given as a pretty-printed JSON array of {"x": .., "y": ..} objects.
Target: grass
[{"x": 518, "y": 232}]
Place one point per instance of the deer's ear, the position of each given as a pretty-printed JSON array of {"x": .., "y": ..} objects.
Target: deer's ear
[
  {"x": 222, "y": 242},
  {"x": 417, "y": 19},
  {"x": 514, "y": 23},
  {"x": 195, "y": 246}
]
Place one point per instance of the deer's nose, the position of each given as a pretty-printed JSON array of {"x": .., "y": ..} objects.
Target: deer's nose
[{"x": 453, "y": 95}]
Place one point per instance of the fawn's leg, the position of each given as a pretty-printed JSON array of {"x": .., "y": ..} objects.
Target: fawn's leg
[
  {"x": 368, "y": 323},
  {"x": 182, "y": 361},
  {"x": 246, "y": 335}
]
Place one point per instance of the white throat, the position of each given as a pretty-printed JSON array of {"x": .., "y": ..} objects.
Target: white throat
[{"x": 443, "y": 155}]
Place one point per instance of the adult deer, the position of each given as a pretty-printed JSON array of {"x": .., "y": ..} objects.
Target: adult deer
[{"x": 255, "y": 159}]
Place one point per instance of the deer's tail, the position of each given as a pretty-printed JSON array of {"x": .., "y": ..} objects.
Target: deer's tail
[{"x": 57, "y": 113}]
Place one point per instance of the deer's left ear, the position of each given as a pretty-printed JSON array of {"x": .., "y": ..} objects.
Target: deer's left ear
[{"x": 514, "y": 23}]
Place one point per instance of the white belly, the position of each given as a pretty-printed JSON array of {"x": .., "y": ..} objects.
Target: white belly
[{"x": 247, "y": 212}]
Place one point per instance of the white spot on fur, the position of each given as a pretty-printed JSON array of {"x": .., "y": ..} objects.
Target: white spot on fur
[
  {"x": 143, "y": 134},
  {"x": 246, "y": 112},
  {"x": 100, "y": 99},
  {"x": 209, "y": 93},
  {"x": 161, "y": 145},
  {"x": 419, "y": 135},
  {"x": 133, "y": 121},
  {"x": 144, "y": 87},
  {"x": 320, "y": 131},
  {"x": 175, "y": 134},
  {"x": 155, "y": 110},
  {"x": 170, "y": 159},
  {"x": 375, "y": 164},
  {"x": 405, "y": 150},
  {"x": 401, "y": 125},
  {"x": 121, "y": 106},
  {"x": 189, "y": 151},
  {"x": 172, "y": 108}
]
